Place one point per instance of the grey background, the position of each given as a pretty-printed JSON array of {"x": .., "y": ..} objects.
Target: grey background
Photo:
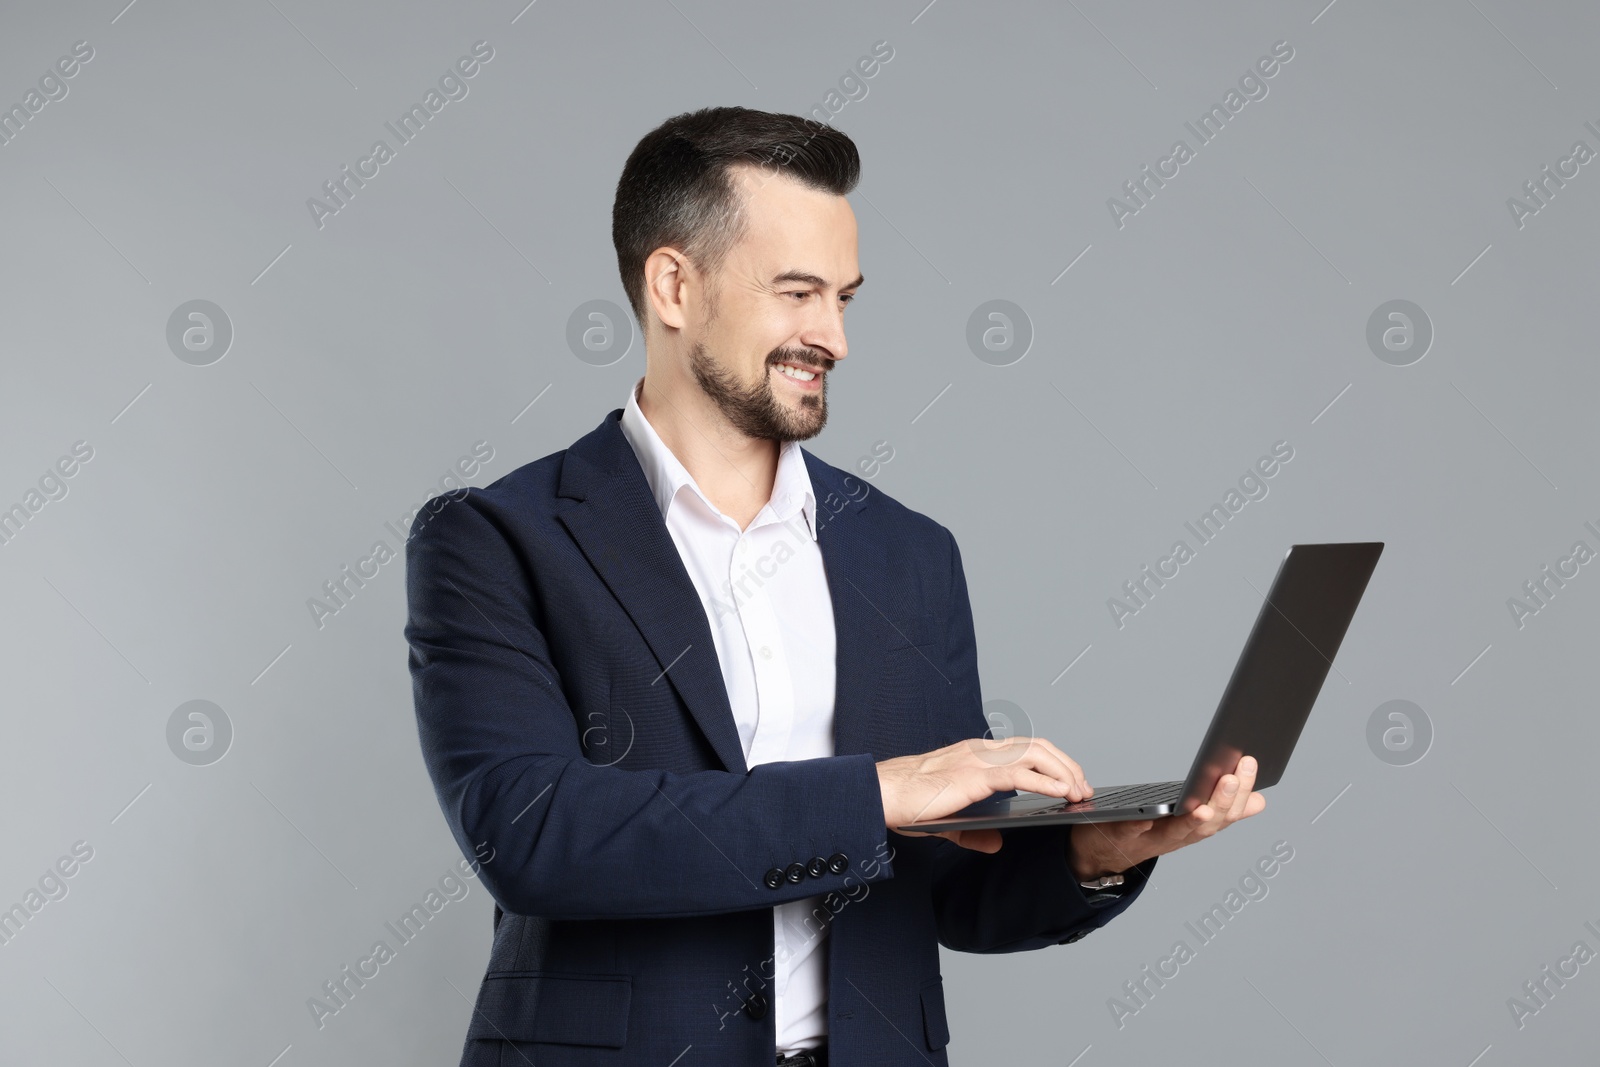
[{"x": 1228, "y": 314}]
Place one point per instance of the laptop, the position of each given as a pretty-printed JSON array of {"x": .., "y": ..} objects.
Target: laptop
[{"x": 1268, "y": 699}]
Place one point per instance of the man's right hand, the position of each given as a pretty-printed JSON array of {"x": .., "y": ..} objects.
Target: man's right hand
[{"x": 931, "y": 785}]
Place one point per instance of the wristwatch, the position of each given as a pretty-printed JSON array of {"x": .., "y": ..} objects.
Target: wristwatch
[
  {"x": 1102, "y": 890},
  {"x": 1104, "y": 881}
]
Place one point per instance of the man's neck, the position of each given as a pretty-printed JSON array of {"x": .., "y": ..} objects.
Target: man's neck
[{"x": 734, "y": 471}]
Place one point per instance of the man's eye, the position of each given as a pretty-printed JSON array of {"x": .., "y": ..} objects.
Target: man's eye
[{"x": 844, "y": 298}]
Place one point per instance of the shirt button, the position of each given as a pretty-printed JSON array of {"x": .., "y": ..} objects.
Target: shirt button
[{"x": 766, "y": 651}]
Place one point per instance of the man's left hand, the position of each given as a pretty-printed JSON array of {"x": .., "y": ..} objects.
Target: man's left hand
[{"x": 1110, "y": 847}]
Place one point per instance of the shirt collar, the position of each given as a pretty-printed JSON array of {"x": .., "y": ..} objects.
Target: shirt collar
[{"x": 791, "y": 488}]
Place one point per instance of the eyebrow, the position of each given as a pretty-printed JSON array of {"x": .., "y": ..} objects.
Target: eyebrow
[{"x": 807, "y": 278}]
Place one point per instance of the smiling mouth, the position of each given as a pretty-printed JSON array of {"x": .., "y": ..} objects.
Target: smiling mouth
[{"x": 798, "y": 372}]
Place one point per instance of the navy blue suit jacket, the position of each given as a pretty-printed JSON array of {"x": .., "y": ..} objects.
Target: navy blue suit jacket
[{"x": 574, "y": 720}]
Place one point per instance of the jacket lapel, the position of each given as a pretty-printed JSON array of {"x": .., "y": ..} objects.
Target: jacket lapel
[
  {"x": 852, "y": 580},
  {"x": 620, "y": 530}
]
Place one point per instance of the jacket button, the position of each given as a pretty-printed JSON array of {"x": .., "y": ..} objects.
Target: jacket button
[
  {"x": 1077, "y": 935},
  {"x": 817, "y": 867},
  {"x": 796, "y": 873},
  {"x": 838, "y": 863},
  {"x": 756, "y": 1007},
  {"x": 774, "y": 878}
]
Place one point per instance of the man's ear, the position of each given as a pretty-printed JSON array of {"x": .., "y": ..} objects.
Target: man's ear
[{"x": 666, "y": 286}]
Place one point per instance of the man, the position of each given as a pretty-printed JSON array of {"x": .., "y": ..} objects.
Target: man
[{"x": 683, "y": 677}]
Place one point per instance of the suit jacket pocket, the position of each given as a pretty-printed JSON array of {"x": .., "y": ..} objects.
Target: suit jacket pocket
[
  {"x": 565, "y": 1009},
  {"x": 904, "y": 631}
]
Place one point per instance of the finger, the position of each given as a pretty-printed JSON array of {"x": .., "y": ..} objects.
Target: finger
[
  {"x": 1247, "y": 770},
  {"x": 1247, "y": 780},
  {"x": 1032, "y": 781},
  {"x": 977, "y": 840},
  {"x": 1198, "y": 821},
  {"x": 1026, "y": 755},
  {"x": 1072, "y": 766},
  {"x": 1222, "y": 796},
  {"x": 1045, "y": 757}
]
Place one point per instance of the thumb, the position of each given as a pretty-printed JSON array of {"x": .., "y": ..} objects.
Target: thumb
[{"x": 978, "y": 840}]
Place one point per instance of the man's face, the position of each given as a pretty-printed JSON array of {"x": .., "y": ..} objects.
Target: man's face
[{"x": 779, "y": 299}]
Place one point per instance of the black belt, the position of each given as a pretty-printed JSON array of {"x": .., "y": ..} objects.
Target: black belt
[{"x": 806, "y": 1057}]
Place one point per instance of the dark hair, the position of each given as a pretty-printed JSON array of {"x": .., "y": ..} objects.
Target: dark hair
[{"x": 676, "y": 188}]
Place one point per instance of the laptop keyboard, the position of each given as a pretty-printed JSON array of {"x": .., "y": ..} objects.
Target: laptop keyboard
[{"x": 1127, "y": 796}]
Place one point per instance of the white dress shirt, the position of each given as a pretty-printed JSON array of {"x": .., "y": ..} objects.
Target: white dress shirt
[{"x": 765, "y": 595}]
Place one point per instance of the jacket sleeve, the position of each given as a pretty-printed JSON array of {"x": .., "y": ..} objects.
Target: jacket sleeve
[
  {"x": 1025, "y": 896},
  {"x": 572, "y": 839}
]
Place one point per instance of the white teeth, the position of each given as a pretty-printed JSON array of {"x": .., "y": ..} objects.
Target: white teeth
[{"x": 794, "y": 372}]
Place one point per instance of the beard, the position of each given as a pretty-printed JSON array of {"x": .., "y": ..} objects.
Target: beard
[{"x": 757, "y": 412}]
